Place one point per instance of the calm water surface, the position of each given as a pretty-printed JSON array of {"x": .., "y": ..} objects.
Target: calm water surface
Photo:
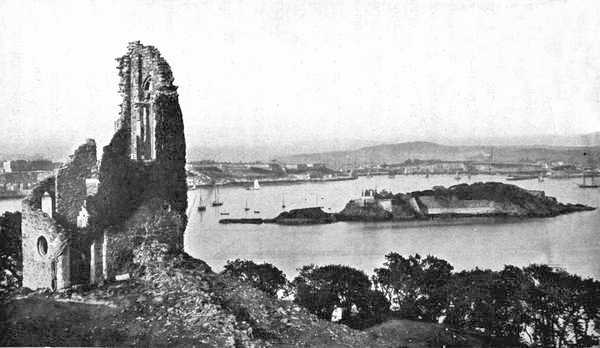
[{"x": 570, "y": 241}]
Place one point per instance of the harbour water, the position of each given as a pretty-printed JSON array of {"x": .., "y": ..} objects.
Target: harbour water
[{"x": 569, "y": 241}]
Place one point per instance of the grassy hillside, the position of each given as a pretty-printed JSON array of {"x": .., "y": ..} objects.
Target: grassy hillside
[{"x": 398, "y": 153}]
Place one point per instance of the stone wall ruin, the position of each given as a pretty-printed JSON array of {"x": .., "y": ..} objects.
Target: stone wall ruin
[{"x": 138, "y": 194}]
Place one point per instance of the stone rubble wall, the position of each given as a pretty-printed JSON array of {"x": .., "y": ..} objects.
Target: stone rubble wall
[
  {"x": 71, "y": 189},
  {"x": 151, "y": 222},
  {"x": 128, "y": 184},
  {"x": 36, "y": 267}
]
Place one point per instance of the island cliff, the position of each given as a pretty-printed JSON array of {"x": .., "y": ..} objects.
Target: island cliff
[{"x": 492, "y": 199}]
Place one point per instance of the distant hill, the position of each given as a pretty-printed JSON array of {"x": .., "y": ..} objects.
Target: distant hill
[
  {"x": 589, "y": 139},
  {"x": 398, "y": 153}
]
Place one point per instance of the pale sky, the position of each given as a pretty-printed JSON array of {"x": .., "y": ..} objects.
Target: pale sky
[{"x": 266, "y": 72}]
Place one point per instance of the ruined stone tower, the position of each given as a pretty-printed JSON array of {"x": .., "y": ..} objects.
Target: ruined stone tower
[
  {"x": 145, "y": 78},
  {"x": 96, "y": 218},
  {"x": 146, "y": 157}
]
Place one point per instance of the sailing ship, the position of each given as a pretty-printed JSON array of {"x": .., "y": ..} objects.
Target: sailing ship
[
  {"x": 246, "y": 207},
  {"x": 217, "y": 202},
  {"x": 283, "y": 201},
  {"x": 201, "y": 206},
  {"x": 588, "y": 173},
  {"x": 457, "y": 177},
  {"x": 591, "y": 183}
]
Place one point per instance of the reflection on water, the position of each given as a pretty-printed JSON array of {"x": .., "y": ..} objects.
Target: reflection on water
[{"x": 570, "y": 241}]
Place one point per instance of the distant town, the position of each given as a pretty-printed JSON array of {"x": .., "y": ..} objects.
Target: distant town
[
  {"x": 18, "y": 177},
  {"x": 207, "y": 173}
]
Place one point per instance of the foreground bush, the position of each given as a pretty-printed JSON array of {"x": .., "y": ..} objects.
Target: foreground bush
[
  {"x": 323, "y": 289},
  {"x": 538, "y": 304},
  {"x": 264, "y": 276},
  {"x": 11, "y": 255}
]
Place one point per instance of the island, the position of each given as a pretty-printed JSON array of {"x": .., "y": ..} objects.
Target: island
[{"x": 489, "y": 199}]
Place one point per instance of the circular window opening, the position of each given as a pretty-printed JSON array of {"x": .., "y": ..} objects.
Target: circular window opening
[{"x": 42, "y": 246}]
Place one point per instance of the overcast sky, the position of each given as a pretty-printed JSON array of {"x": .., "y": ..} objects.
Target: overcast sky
[{"x": 256, "y": 72}]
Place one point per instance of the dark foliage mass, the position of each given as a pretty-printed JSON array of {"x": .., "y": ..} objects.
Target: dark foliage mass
[
  {"x": 323, "y": 289},
  {"x": 264, "y": 276},
  {"x": 551, "y": 307},
  {"x": 415, "y": 285},
  {"x": 538, "y": 304},
  {"x": 11, "y": 254}
]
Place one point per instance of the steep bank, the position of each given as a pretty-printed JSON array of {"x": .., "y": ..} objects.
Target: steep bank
[{"x": 176, "y": 300}]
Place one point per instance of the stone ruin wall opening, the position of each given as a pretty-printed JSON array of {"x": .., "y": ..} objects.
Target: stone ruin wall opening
[{"x": 140, "y": 186}]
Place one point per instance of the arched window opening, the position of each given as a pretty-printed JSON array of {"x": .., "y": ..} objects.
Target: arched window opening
[
  {"x": 42, "y": 246},
  {"x": 146, "y": 88}
]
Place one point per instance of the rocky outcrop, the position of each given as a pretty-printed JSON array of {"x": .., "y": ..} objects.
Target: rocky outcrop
[
  {"x": 304, "y": 216},
  {"x": 353, "y": 211},
  {"x": 175, "y": 301}
]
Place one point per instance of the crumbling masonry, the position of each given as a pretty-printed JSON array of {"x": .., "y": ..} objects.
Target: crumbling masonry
[{"x": 85, "y": 223}]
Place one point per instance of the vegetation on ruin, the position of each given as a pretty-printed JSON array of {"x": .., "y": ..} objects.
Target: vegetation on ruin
[{"x": 11, "y": 254}]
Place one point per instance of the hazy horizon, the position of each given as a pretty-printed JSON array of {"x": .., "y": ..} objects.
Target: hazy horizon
[{"x": 301, "y": 76}]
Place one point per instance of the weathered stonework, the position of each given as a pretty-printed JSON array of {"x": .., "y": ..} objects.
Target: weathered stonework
[
  {"x": 71, "y": 189},
  {"x": 146, "y": 157},
  {"x": 52, "y": 268},
  {"x": 139, "y": 193}
]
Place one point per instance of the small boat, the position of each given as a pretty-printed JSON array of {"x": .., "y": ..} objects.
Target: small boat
[
  {"x": 201, "y": 206},
  {"x": 255, "y": 186},
  {"x": 217, "y": 202},
  {"x": 427, "y": 176},
  {"x": 224, "y": 213},
  {"x": 391, "y": 175},
  {"x": 257, "y": 212},
  {"x": 457, "y": 177}
]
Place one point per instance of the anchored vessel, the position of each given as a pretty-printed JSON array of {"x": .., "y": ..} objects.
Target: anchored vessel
[{"x": 217, "y": 202}]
